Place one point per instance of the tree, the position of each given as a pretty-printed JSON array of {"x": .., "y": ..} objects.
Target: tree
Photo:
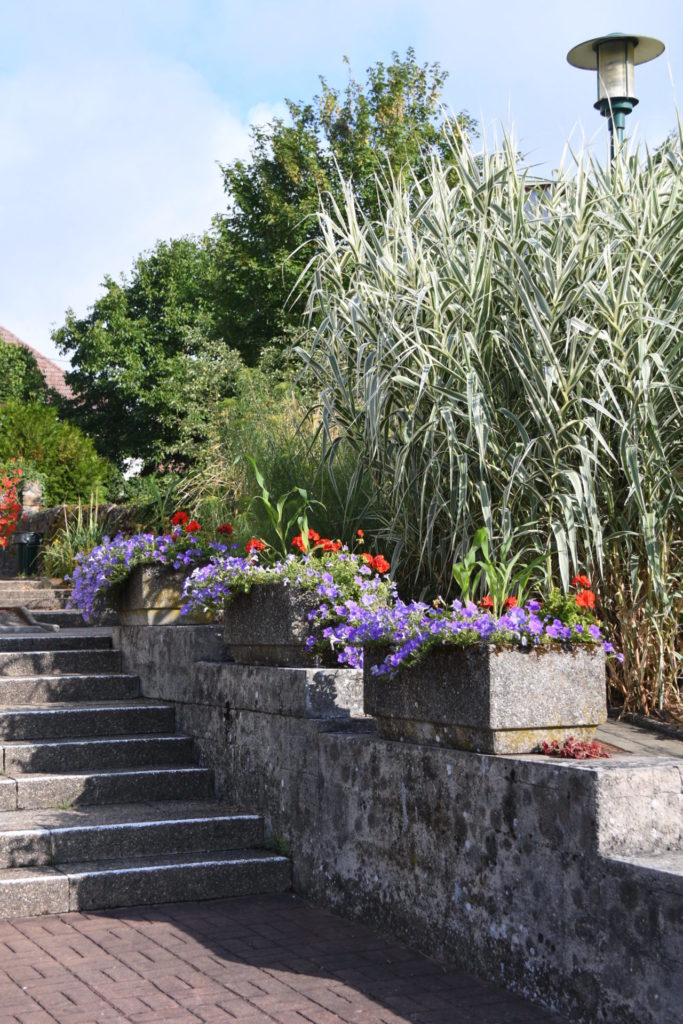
[
  {"x": 20, "y": 377},
  {"x": 262, "y": 244},
  {"x": 161, "y": 349},
  {"x": 147, "y": 366}
]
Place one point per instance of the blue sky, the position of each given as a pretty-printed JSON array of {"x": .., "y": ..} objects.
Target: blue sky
[{"x": 113, "y": 116}]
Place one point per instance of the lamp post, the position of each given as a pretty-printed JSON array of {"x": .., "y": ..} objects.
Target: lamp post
[{"x": 614, "y": 57}]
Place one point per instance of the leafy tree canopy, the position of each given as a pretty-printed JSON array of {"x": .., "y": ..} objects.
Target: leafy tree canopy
[
  {"x": 20, "y": 377},
  {"x": 161, "y": 347},
  {"x": 147, "y": 367},
  {"x": 390, "y": 123}
]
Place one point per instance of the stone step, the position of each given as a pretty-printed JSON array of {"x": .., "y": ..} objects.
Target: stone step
[
  {"x": 48, "y": 838},
  {"x": 141, "y": 881},
  {"x": 15, "y": 584},
  {"x": 113, "y": 786},
  {"x": 102, "y": 718},
  {"x": 100, "y": 752},
  {"x": 71, "y": 618},
  {"x": 71, "y": 688},
  {"x": 53, "y": 642},
  {"x": 46, "y": 662},
  {"x": 34, "y": 599}
]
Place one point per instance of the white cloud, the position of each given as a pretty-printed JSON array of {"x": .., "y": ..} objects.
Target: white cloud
[{"x": 99, "y": 160}]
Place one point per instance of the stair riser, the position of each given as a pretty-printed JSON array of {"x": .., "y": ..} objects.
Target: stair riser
[
  {"x": 171, "y": 885},
  {"x": 33, "y": 897},
  {"x": 48, "y": 691},
  {"x": 53, "y": 663},
  {"x": 89, "y": 755},
  {"x": 126, "y": 788},
  {"x": 61, "y": 723},
  {"x": 43, "y": 847},
  {"x": 52, "y": 642}
]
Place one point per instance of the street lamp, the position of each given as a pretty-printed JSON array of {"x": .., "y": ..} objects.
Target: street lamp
[{"x": 614, "y": 57}]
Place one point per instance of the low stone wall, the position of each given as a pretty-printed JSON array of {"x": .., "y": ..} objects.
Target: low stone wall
[{"x": 559, "y": 880}]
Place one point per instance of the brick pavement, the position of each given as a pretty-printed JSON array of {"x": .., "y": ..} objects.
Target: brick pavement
[{"x": 256, "y": 960}]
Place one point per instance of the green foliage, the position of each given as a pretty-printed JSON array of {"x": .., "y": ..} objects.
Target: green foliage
[
  {"x": 148, "y": 367},
  {"x": 263, "y": 243},
  {"x": 496, "y": 352},
  {"x": 61, "y": 453},
  {"x": 266, "y": 423},
  {"x": 504, "y": 576},
  {"x": 285, "y": 512},
  {"x": 77, "y": 534},
  {"x": 20, "y": 377},
  {"x": 155, "y": 499}
]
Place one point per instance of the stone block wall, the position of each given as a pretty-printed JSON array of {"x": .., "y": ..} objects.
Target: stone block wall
[{"x": 560, "y": 880}]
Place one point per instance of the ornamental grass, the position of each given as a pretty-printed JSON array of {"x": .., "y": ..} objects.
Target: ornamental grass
[{"x": 502, "y": 351}]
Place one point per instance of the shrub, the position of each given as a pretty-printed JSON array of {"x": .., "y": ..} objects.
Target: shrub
[
  {"x": 499, "y": 352},
  {"x": 66, "y": 458}
]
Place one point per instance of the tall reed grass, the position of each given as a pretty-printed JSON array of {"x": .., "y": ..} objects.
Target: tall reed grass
[{"x": 505, "y": 352}]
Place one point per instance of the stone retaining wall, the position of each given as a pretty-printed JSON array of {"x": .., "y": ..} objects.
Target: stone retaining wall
[{"x": 559, "y": 880}]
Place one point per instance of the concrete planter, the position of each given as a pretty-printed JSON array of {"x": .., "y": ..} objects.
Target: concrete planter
[
  {"x": 492, "y": 700},
  {"x": 269, "y": 626},
  {"x": 151, "y": 596}
]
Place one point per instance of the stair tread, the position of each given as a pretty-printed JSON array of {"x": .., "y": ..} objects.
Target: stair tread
[
  {"x": 66, "y": 706},
  {"x": 669, "y": 861},
  {"x": 170, "y": 860},
  {"x": 43, "y": 677},
  {"x": 175, "y": 737},
  {"x": 94, "y": 816},
  {"x": 144, "y": 770}
]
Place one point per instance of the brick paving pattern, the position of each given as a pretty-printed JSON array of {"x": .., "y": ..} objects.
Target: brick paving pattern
[{"x": 256, "y": 960}]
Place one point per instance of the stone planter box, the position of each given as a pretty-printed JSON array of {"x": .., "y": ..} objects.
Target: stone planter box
[
  {"x": 269, "y": 626},
  {"x": 151, "y": 596},
  {"x": 492, "y": 700}
]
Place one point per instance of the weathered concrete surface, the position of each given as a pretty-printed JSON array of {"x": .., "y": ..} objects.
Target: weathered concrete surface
[
  {"x": 269, "y": 626},
  {"x": 151, "y": 596},
  {"x": 492, "y": 700},
  {"x": 551, "y": 877}
]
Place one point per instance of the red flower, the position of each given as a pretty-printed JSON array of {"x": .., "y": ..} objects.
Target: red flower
[
  {"x": 360, "y": 533},
  {"x": 255, "y": 544},
  {"x": 510, "y": 602},
  {"x": 367, "y": 557},
  {"x": 180, "y": 518},
  {"x": 486, "y": 602},
  {"x": 299, "y": 542},
  {"x": 225, "y": 528},
  {"x": 380, "y": 564},
  {"x": 313, "y": 537},
  {"x": 586, "y": 599},
  {"x": 193, "y": 526},
  {"x": 330, "y": 545},
  {"x": 581, "y": 581}
]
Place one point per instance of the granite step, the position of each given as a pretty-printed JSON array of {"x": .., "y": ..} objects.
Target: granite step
[
  {"x": 71, "y": 720},
  {"x": 51, "y": 662},
  {"x": 71, "y": 618},
  {"x": 51, "y": 689},
  {"x": 48, "y": 838},
  {"x": 135, "y": 881},
  {"x": 35, "y": 583},
  {"x": 44, "y": 642},
  {"x": 113, "y": 786},
  {"x": 43, "y": 599},
  {"x": 71, "y": 755}
]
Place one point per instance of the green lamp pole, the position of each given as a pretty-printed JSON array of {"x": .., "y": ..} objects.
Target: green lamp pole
[{"x": 614, "y": 57}]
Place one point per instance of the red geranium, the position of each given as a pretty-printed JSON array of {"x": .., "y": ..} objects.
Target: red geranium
[
  {"x": 255, "y": 544},
  {"x": 510, "y": 602},
  {"x": 581, "y": 581},
  {"x": 367, "y": 557},
  {"x": 360, "y": 533},
  {"x": 586, "y": 599},
  {"x": 299, "y": 542},
  {"x": 193, "y": 526},
  {"x": 180, "y": 518},
  {"x": 486, "y": 602},
  {"x": 330, "y": 545},
  {"x": 380, "y": 564},
  {"x": 225, "y": 528}
]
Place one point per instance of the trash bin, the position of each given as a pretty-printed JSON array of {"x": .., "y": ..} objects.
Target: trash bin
[{"x": 28, "y": 549}]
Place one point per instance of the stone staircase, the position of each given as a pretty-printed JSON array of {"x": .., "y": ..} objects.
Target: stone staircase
[
  {"x": 101, "y": 801},
  {"x": 45, "y": 601}
]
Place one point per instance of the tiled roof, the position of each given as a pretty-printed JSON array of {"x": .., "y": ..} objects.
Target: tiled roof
[{"x": 53, "y": 374}]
